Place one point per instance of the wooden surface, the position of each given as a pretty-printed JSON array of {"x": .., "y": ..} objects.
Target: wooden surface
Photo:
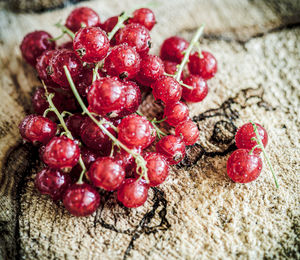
[{"x": 198, "y": 212}]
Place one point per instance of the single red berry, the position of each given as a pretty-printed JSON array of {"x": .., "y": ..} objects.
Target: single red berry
[
  {"x": 123, "y": 61},
  {"x": 133, "y": 98},
  {"x": 170, "y": 67},
  {"x": 84, "y": 81},
  {"x": 243, "y": 167},
  {"x": 136, "y": 131},
  {"x": 109, "y": 24},
  {"x": 189, "y": 132},
  {"x": 167, "y": 89},
  {"x": 205, "y": 67},
  {"x": 91, "y": 44},
  {"x": 106, "y": 95},
  {"x": 35, "y": 128},
  {"x": 172, "y": 49},
  {"x": 74, "y": 123},
  {"x": 81, "y": 199},
  {"x": 172, "y": 147},
  {"x": 244, "y": 135},
  {"x": 133, "y": 193},
  {"x": 82, "y": 16},
  {"x": 34, "y": 44},
  {"x": 199, "y": 91},
  {"x": 143, "y": 16},
  {"x": 52, "y": 182},
  {"x": 66, "y": 45},
  {"x": 176, "y": 113},
  {"x": 126, "y": 159},
  {"x": 61, "y": 153},
  {"x": 69, "y": 102},
  {"x": 106, "y": 173}
]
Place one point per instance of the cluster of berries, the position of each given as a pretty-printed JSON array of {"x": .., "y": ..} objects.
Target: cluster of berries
[{"x": 104, "y": 67}]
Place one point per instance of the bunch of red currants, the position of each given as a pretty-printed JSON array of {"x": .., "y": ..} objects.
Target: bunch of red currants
[{"x": 86, "y": 120}]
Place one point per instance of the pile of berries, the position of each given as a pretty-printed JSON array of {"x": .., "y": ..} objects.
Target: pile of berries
[{"x": 87, "y": 124}]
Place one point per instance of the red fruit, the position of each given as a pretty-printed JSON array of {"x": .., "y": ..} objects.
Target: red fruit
[
  {"x": 84, "y": 81},
  {"x": 176, "y": 113},
  {"x": 91, "y": 44},
  {"x": 66, "y": 45},
  {"x": 170, "y": 67},
  {"x": 126, "y": 159},
  {"x": 106, "y": 173},
  {"x": 133, "y": 98},
  {"x": 243, "y": 167},
  {"x": 35, "y": 128},
  {"x": 205, "y": 67},
  {"x": 61, "y": 153},
  {"x": 143, "y": 16},
  {"x": 82, "y": 16},
  {"x": 123, "y": 61},
  {"x": 106, "y": 95},
  {"x": 69, "y": 59},
  {"x": 136, "y": 131},
  {"x": 52, "y": 182},
  {"x": 167, "y": 89},
  {"x": 135, "y": 35},
  {"x": 34, "y": 44},
  {"x": 172, "y": 147},
  {"x": 188, "y": 131},
  {"x": 133, "y": 193},
  {"x": 74, "y": 123},
  {"x": 246, "y": 132},
  {"x": 109, "y": 24},
  {"x": 199, "y": 91},
  {"x": 172, "y": 49},
  {"x": 81, "y": 199}
]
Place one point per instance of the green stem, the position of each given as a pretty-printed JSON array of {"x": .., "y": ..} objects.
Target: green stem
[
  {"x": 185, "y": 85},
  {"x": 121, "y": 19},
  {"x": 66, "y": 30}
]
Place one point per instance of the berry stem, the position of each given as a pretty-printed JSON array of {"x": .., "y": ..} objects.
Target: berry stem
[
  {"x": 64, "y": 30},
  {"x": 121, "y": 19},
  {"x": 261, "y": 146}
]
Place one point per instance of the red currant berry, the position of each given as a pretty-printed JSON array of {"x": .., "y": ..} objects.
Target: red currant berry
[
  {"x": 34, "y": 44},
  {"x": 82, "y": 16},
  {"x": 206, "y": 67},
  {"x": 133, "y": 98},
  {"x": 66, "y": 45},
  {"x": 35, "y": 128},
  {"x": 109, "y": 24},
  {"x": 106, "y": 173},
  {"x": 81, "y": 199},
  {"x": 106, "y": 95},
  {"x": 133, "y": 193},
  {"x": 172, "y": 147},
  {"x": 74, "y": 123},
  {"x": 143, "y": 16},
  {"x": 170, "y": 67},
  {"x": 126, "y": 159},
  {"x": 199, "y": 91},
  {"x": 136, "y": 131},
  {"x": 244, "y": 135},
  {"x": 91, "y": 44},
  {"x": 123, "y": 61},
  {"x": 243, "y": 167},
  {"x": 172, "y": 49},
  {"x": 167, "y": 89},
  {"x": 176, "y": 113},
  {"x": 189, "y": 132},
  {"x": 52, "y": 182},
  {"x": 61, "y": 153},
  {"x": 84, "y": 81}
]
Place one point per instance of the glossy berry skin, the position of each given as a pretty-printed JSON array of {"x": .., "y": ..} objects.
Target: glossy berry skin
[
  {"x": 199, "y": 91},
  {"x": 106, "y": 173},
  {"x": 35, "y": 128},
  {"x": 109, "y": 24},
  {"x": 170, "y": 67},
  {"x": 176, "y": 113},
  {"x": 143, "y": 16},
  {"x": 205, "y": 67},
  {"x": 246, "y": 132},
  {"x": 133, "y": 98},
  {"x": 135, "y": 35},
  {"x": 91, "y": 44},
  {"x": 74, "y": 123},
  {"x": 188, "y": 131},
  {"x": 152, "y": 68},
  {"x": 34, "y": 44},
  {"x": 106, "y": 95},
  {"x": 243, "y": 167},
  {"x": 133, "y": 193},
  {"x": 69, "y": 59},
  {"x": 84, "y": 82},
  {"x": 126, "y": 159},
  {"x": 52, "y": 182},
  {"x": 82, "y": 15},
  {"x": 123, "y": 61},
  {"x": 172, "y": 49},
  {"x": 81, "y": 199},
  {"x": 136, "y": 131},
  {"x": 61, "y": 153},
  {"x": 166, "y": 89},
  {"x": 172, "y": 147}
]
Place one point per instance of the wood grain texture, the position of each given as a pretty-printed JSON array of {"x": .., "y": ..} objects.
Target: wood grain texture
[{"x": 198, "y": 212}]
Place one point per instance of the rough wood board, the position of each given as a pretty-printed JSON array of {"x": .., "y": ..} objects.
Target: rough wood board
[{"x": 198, "y": 212}]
